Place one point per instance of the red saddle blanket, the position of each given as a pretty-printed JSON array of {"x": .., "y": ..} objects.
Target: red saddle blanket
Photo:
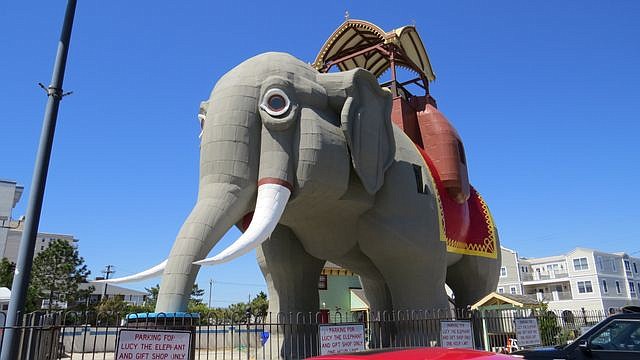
[{"x": 467, "y": 228}]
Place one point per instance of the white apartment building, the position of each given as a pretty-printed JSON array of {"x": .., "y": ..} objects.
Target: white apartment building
[
  {"x": 132, "y": 297},
  {"x": 11, "y": 229},
  {"x": 10, "y": 193},
  {"x": 581, "y": 279}
]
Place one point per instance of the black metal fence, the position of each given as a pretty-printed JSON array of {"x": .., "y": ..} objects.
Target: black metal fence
[{"x": 89, "y": 335}]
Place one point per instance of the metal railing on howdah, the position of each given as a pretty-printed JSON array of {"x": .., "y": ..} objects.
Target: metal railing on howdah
[{"x": 90, "y": 335}]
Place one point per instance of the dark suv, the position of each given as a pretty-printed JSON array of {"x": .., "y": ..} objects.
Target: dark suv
[{"x": 616, "y": 337}]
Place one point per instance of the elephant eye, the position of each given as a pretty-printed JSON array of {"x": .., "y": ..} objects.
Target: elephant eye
[{"x": 275, "y": 102}]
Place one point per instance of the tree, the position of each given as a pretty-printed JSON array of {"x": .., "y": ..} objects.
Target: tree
[
  {"x": 259, "y": 305},
  {"x": 548, "y": 324},
  {"x": 6, "y": 272},
  {"x": 111, "y": 310},
  {"x": 196, "y": 294},
  {"x": 57, "y": 273},
  {"x": 152, "y": 296}
]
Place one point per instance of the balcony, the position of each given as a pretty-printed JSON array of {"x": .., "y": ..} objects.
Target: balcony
[
  {"x": 536, "y": 276},
  {"x": 553, "y": 296}
]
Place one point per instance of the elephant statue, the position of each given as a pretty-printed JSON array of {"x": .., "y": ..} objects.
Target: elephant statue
[{"x": 311, "y": 167}]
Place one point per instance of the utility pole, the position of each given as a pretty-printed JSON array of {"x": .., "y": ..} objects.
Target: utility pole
[
  {"x": 108, "y": 270},
  {"x": 210, "y": 287},
  {"x": 22, "y": 274}
]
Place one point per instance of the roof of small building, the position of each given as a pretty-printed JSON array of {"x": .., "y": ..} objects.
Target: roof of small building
[
  {"x": 333, "y": 269},
  {"x": 111, "y": 289},
  {"x": 359, "y": 300},
  {"x": 493, "y": 299}
]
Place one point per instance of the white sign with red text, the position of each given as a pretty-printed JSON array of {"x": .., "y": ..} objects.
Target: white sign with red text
[
  {"x": 456, "y": 334},
  {"x": 341, "y": 338},
  {"x": 527, "y": 332},
  {"x": 138, "y": 344}
]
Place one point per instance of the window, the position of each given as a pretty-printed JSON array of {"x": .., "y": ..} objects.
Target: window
[
  {"x": 580, "y": 264},
  {"x": 613, "y": 265},
  {"x": 604, "y": 286},
  {"x": 503, "y": 271},
  {"x": 463, "y": 158},
  {"x": 322, "y": 282},
  {"x": 627, "y": 266},
  {"x": 632, "y": 287},
  {"x": 501, "y": 290},
  {"x": 584, "y": 287},
  {"x": 41, "y": 247},
  {"x": 618, "y": 287},
  {"x": 512, "y": 290},
  {"x": 599, "y": 263},
  {"x": 635, "y": 268},
  {"x": 421, "y": 187}
]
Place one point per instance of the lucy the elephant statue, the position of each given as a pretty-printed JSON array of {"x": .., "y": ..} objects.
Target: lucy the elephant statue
[{"x": 312, "y": 162}]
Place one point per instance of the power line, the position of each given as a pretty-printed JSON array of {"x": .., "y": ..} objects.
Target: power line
[{"x": 239, "y": 284}]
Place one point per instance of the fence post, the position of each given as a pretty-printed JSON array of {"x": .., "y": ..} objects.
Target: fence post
[
  {"x": 485, "y": 333},
  {"x": 248, "y": 313}
]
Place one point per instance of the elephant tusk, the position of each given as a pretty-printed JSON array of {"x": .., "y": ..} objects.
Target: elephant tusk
[
  {"x": 149, "y": 273},
  {"x": 270, "y": 204}
]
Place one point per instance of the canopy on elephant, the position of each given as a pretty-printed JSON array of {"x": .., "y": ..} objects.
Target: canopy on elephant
[{"x": 366, "y": 41}]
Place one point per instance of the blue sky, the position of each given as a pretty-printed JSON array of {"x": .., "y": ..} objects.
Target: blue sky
[{"x": 545, "y": 95}]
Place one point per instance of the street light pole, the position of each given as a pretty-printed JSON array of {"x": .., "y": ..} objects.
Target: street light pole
[{"x": 24, "y": 263}]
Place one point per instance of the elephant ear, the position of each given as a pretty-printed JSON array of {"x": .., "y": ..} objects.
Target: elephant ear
[{"x": 365, "y": 116}]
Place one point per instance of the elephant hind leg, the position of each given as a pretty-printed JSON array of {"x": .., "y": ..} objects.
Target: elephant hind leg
[{"x": 472, "y": 278}]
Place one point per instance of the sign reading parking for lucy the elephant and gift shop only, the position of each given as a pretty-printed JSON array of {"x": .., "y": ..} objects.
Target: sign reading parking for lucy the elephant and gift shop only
[
  {"x": 456, "y": 334},
  {"x": 341, "y": 338},
  {"x": 153, "y": 345},
  {"x": 527, "y": 332}
]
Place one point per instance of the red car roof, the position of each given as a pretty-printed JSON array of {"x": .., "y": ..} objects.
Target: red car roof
[{"x": 417, "y": 354}]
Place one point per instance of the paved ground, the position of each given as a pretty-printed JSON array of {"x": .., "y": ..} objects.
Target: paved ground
[{"x": 200, "y": 355}]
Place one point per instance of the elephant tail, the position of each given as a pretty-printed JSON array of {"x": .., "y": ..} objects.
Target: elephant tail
[{"x": 146, "y": 274}]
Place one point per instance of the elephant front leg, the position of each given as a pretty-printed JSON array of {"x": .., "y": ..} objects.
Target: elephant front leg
[{"x": 292, "y": 279}]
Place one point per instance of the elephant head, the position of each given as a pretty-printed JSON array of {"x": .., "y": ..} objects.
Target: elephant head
[{"x": 275, "y": 131}]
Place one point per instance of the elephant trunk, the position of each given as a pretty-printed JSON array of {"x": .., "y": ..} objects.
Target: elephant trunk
[
  {"x": 219, "y": 207},
  {"x": 274, "y": 190}
]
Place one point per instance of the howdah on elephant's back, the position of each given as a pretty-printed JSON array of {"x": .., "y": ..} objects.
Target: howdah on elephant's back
[{"x": 466, "y": 223}]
